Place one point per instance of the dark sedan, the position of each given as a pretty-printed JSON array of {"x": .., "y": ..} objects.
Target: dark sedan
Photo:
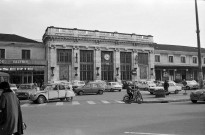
[
  {"x": 96, "y": 88},
  {"x": 198, "y": 95}
]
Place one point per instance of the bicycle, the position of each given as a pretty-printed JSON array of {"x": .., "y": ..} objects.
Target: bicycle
[{"x": 137, "y": 97}]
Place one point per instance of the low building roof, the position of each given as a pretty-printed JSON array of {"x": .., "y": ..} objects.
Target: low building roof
[
  {"x": 15, "y": 38},
  {"x": 177, "y": 48}
]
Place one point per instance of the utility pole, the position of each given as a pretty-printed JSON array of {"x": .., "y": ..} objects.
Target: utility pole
[{"x": 200, "y": 73}]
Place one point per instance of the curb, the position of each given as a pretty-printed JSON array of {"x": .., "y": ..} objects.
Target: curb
[{"x": 166, "y": 101}]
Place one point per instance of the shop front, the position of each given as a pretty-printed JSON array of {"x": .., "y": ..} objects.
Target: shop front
[{"x": 24, "y": 71}]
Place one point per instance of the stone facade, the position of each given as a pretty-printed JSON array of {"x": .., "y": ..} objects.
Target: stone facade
[
  {"x": 23, "y": 70},
  {"x": 177, "y": 62},
  {"x": 104, "y": 53}
]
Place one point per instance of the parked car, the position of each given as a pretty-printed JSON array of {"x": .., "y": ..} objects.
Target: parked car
[
  {"x": 104, "y": 84},
  {"x": 112, "y": 86},
  {"x": 192, "y": 85},
  {"x": 77, "y": 84},
  {"x": 173, "y": 88},
  {"x": 51, "y": 92},
  {"x": 145, "y": 85},
  {"x": 25, "y": 90},
  {"x": 91, "y": 87},
  {"x": 198, "y": 95}
]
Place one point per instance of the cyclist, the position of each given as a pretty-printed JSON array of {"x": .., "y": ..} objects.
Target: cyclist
[{"x": 129, "y": 91}]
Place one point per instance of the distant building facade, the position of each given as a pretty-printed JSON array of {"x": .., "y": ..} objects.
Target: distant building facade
[
  {"x": 88, "y": 55},
  {"x": 177, "y": 62},
  {"x": 24, "y": 59}
]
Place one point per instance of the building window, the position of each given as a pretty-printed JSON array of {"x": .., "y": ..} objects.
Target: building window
[
  {"x": 194, "y": 60},
  {"x": 183, "y": 59},
  {"x": 143, "y": 58},
  {"x": 157, "y": 58},
  {"x": 86, "y": 65},
  {"x": 26, "y": 54},
  {"x": 171, "y": 59},
  {"x": 126, "y": 65},
  {"x": 64, "y": 56},
  {"x": 204, "y": 60},
  {"x": 2, "y": 53},
  {"x": 107, "y": 65}
]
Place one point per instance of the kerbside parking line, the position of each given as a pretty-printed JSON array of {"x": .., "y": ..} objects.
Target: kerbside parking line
[
  {"x": 75, "y": 103},
  {"x": 121, "y": 102},
  {"x": 91, "y": 102},
  {"x": 142, "y": 133},
  {"x": 59, "y": 103},
  {"x": 105, "y": 102}
]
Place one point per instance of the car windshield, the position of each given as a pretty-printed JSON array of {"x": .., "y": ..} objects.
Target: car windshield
[
  {"x": 25, "y": 87},
  {"x": 115, "y": 83},
  {"x": 191, "y": 82},
  {"x": 150, "y": 82}
]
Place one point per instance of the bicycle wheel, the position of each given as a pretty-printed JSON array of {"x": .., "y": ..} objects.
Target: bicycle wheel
[{"x": 139, "y": 98}]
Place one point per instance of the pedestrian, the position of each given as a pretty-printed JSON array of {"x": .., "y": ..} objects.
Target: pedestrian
[
  {"x": 11, "y": 122},
  {"x": 166, "y": 85},
  {"x": 184, "y": 82}
]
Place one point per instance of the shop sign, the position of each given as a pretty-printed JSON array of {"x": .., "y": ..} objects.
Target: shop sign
[
  {"x": 14, "y": 61},
  {"x": 22, "y": 62}
]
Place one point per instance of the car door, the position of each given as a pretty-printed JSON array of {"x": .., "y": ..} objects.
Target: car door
[
  {"x": 109, "y": 85},
  {"x": 87, "y": 88},
  {"x": 62, "y": 91},
  {"x": 94, "y": 88},
  {"x": 171, "y": 87},
  {"x": 53, "y": 92}
]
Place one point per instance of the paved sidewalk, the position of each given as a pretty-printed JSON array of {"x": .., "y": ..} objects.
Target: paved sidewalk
[{"x": 180, "y": 97}]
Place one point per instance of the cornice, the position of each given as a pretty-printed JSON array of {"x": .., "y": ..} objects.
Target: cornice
[{"x": 95, "y": 40}]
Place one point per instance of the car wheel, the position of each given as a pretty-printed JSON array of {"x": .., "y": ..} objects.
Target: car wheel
[
  {"x": 100, "y": 92},
  {"x": 41, "y": 99},
  {"x": 194, "y": 101},
  {"x": 80, "y": 93},
  {"x": 111, "y": 90},
  {"x": 176, "y": 92},
  {"x": 151, "y": 93},
  {"x": 69, "y": 99},
  {"x": 188, "y": 88},
  {"x": 119, "y": 90},
  {"x": 126, "y": 99},
  {"x": 62, "y": 99}
]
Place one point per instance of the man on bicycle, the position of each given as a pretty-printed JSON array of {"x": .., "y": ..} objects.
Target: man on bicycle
[{"x": 129, "y": 91}]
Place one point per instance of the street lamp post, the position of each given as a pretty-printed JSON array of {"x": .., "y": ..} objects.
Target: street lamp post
[{"x": 199, "y": 47}]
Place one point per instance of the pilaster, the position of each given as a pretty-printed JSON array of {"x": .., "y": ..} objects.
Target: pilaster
[{"x": 97, "y": 64}]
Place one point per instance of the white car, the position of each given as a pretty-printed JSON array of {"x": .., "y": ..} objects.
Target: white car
[
  {"x": 145, "y": 85},
  {"x": 52, "y": 91},
  {"x": 192, "y": 85},
  {"x": 111, "y": 86},
  {"x": 77, "y": 83},
  {"x": 173, "y": 88}
]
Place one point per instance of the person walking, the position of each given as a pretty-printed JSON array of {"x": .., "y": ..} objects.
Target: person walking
[
  {"x": 11, "y": 122},
  {"x": 166, "y": 85}
]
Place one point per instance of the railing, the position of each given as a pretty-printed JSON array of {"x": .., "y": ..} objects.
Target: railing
[{"x": 97, "y": 34}]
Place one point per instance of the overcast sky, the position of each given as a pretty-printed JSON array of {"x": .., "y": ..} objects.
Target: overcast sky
[{"x": 169, "y": 21}]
